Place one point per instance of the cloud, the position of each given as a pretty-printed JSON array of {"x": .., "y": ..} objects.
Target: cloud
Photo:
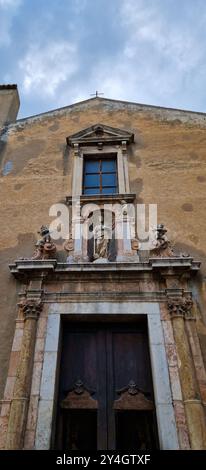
[
  {"x": 158, "y": 59},
  {"x": 45, "y": 68},
  {"x": 148, "y": 26},
  {"x": 137, "y": 50}
]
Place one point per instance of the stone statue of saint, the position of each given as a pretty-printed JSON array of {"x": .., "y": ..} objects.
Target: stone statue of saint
[{"x": 102, "y": 235}]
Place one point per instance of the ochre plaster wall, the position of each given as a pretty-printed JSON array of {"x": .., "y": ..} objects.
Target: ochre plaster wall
[{"x": 167, "y": 166}]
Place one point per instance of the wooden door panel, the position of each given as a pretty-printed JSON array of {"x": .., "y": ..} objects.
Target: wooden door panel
[
  {"x": 79, "y": 360},
  {"x": 135, "y": 430},
  {"x": 129, "y": 376},
  {"x": 131, "y": 362},
  {"x": 105, "y": 379},
  {"x": 79, "y": 389}
]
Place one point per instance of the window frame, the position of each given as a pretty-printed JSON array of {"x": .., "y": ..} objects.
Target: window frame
[
  {"x": 101, "y": 189},
  {"x": 88, "y": 151}
]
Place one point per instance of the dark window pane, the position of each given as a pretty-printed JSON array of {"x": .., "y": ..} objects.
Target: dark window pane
[
  {"x": 108, "y": 165},
  {"x": 109, "y": 190},
  {"x": 91, "y": 166},
  {"x": 92, "y": 191},
  {"x": 108, "y": 179},
  {"x": 92, "y": 180}
]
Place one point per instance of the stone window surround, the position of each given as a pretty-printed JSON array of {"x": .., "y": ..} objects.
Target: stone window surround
[
  {"x": 162, "y": 391},
  {"x": 122, "y": 166}
]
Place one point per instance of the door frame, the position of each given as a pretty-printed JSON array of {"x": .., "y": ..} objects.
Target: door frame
[
  {"x": 167, "y": 431},
  {"x": 107, "y": 400}
]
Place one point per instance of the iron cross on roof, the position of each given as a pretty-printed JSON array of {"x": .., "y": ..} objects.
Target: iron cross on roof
[{"x": 97, "y": 93}]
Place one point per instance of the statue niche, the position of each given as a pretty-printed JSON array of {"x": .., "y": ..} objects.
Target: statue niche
[{"x": 101, "y": 246}]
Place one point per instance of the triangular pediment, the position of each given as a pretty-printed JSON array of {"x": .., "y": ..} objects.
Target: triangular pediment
[{"x": 100, "y": 133}]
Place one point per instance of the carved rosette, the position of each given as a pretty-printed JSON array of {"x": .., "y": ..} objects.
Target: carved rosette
[
  {"x": 180, "y": 307},
  {"x": 31, "y": 308}
]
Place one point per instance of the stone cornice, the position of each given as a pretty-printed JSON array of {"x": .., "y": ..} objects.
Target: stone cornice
[
  {"x": 27, "y": 269},
  {"x": 175, "y": 263},
  {"x": 102, "y": 198}
]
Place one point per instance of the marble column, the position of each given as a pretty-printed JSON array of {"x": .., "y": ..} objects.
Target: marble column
[
  {"x": 19, "y": 404},
  {"x": 180, "y": 309}
]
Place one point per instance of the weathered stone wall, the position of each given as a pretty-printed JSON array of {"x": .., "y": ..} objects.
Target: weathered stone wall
[{"x": 167, "y": 166}]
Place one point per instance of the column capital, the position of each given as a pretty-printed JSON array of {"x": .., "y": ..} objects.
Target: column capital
[
  {"x": 180, "y": 306},
  {"x": 31, "y": 308}
]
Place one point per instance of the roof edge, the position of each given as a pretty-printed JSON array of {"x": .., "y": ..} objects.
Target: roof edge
[
  {"x": 133, "y": 103},
  {"x": 13, "y": 86}
]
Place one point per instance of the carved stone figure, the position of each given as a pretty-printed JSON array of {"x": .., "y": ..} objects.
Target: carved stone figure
[
  {"x": 45, "y": 248},
  {"x": 102, "y": 235},
  {"x": 162, "y": 246}
]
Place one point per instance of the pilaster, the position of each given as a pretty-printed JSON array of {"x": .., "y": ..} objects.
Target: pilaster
[
  {"x": 19, "y": 404},
  {"x": 180, "y": 307}
]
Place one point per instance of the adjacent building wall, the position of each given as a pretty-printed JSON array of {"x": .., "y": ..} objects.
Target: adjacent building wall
[{"x": 9, "y": 104}]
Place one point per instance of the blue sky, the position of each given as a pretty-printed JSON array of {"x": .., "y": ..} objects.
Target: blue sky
[{"x": 147, "y": 51}]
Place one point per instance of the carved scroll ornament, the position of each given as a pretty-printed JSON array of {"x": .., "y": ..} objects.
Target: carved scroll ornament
[
  {"x": 79, "y": 397},
  {"x": 132, "y": 398}
]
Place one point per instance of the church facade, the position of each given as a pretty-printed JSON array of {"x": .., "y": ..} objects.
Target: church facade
[{"x": 103, "y": 277}]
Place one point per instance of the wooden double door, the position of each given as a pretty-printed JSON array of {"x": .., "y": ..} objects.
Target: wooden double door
[{"x": 105, "y": 393}]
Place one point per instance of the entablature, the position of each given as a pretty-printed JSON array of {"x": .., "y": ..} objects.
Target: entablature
[{"x": 27, "y": 269}]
